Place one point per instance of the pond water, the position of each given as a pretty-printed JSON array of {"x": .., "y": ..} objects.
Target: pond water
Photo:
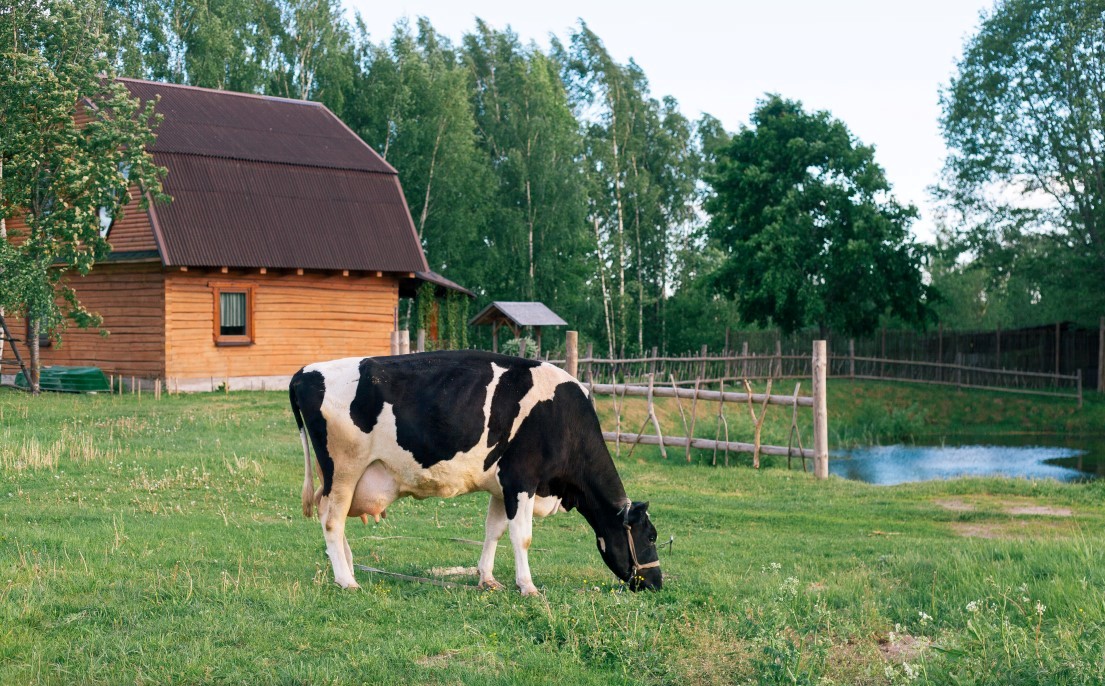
[{"x": 1027, "y": 457}]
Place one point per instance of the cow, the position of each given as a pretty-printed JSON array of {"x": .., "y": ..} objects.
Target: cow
[{"x": 443, "y": 424}]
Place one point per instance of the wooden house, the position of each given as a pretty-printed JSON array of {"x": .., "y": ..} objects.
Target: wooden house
[{"x": 287, "y": 241}]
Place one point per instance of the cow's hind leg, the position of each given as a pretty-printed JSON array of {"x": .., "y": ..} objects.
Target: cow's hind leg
[
  {"x": 332, "y": 513},
  {"x": 521, "y": 535},
  {"x": 493, "y": 531}
]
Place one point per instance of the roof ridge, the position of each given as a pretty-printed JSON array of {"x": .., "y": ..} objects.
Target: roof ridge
[{"x": 260, "y": 96}]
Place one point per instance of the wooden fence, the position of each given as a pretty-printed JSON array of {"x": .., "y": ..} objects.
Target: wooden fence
[
  {"x": 706, "y": 369},
  {"x": 817, "y": 364}
]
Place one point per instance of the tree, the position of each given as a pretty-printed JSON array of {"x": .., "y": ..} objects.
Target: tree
[
  {"x": 1025, "y": 179},
  {"x": 537, "y": 242},
  {"x": 59, "y": 175},
  {"x": 810, "y": 232}
]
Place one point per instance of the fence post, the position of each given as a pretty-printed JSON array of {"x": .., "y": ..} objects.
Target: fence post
[
  {"x": 1101, "y": 357},
  {"x": 590, "y": 356},
  {"x": 1058, "y": 341},
  {"x": 882, "y": 355},
  {"x": 851, "y": 358},
  {"x": 394, "y": 342},
  {"x": 404, "y": 342},
  {"x": 820, "y": 412},
  {"x": 744, "y": 360},
  {"x": 421, "y": 341},
  {"x": 778, "y": 358},
  {"x": 571, "y": 354},
  {"x": 702, "y": 367},
  {"x": 652, "y": 367}
]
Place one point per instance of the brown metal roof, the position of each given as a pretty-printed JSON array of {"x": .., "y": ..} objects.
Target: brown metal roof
[
  {"x": 241, "y": 126},
  {"x": 258, "y": 214},
  {"x": 408, "y": 288},
  {"x": 269, "y": 182}
]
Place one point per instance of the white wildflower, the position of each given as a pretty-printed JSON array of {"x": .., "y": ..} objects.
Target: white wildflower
[
  {"x": 911, "y": 672},
  {"x": 1040, "y": 608},
  {"x": 925, "y": 618},
  {"x": 972, "y": 606}
]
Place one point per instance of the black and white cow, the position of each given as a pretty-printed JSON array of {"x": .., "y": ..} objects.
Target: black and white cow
[{"x": 447, "y": 423}]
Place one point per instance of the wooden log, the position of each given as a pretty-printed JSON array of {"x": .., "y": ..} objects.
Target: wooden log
[
  {"x": 404, "y": 342},
  {"x": 394, "y": 342},
  {"x": 820, "y": 412},
  {"x": 421, "y": 344},
  {"x": 730, "y": 397},
  {"x": 699, "y": 443},
  {"x": 571, "y": 355}
]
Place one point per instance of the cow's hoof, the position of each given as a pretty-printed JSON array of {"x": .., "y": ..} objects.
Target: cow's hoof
[
  {"x": 491, "y": 585},
  {"x": 529, "y": 591},
  {"x": 350, "y": 586}
]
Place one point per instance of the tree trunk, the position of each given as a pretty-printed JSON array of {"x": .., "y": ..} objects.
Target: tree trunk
[
  {"x": 607, "y": 309},
  {"x": 32, "y": 345}
]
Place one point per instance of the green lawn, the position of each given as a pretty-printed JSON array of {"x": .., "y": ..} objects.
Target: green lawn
[{"x": 160, "y": 542}]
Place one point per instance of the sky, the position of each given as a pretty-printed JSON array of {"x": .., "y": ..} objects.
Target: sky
[{"x": 877, "y": 65}]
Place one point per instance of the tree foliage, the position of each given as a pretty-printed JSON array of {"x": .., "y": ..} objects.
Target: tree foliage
[
  {"x": 809, "y": 229},
  {"x": 57, "y": 175},
  {"x": 1025, "y": 180}
]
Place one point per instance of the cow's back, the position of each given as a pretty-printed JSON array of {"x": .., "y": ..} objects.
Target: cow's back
[{"x": 438, "y": 422}]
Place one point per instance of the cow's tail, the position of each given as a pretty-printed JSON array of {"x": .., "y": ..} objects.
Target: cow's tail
[{"x": 308, "y": 474}]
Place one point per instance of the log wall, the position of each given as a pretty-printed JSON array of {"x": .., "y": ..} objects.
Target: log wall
[
  {"x": 131, "y": 299},
  {"x": 297, "y": 319}
]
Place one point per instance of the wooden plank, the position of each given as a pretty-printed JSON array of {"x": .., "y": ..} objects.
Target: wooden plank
[
  {"x": 702, "y": 443},
  {"x": 663, "y": 392}
]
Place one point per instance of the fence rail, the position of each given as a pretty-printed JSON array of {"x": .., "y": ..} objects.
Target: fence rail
[
  {"x": 712, "y": 370},
  {"x": 817, "y": 364}
]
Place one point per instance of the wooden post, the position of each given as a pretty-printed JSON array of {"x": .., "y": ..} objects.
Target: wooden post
[
  {"x": 744, "y": 361},
  {"x": 538, "y": 331},
  {"x": 1057, "y": 343},
  {"x": 394, "y": 342},
  {"x": 728, "y": 354},
  {"x": 590, "y": 356},
  {"x": 1101, "y": 356},
  {"x": 421, "y": 341},
  {"x": 778, "y": 358},
  {"x": 571, "y": 353},
  {"x": 405, "y": 342},
  {"x": 820, "y": 412},
  {"x": 494, "y": 337},
  {"x": 652, "y": 366},
  {"x": 851, "y": 358},
  {"x": 702, "y": 366},
  {"x": 882, "y": 355},
  {"x": 521, "y": 347}
]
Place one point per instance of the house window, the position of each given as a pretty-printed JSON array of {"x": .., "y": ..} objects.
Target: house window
[{"x": 233, "y": 315}]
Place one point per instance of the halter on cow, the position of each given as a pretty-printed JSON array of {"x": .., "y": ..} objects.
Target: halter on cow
[{"x": 447, "y": 423}]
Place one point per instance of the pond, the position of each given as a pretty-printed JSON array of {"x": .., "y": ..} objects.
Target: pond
[{"x": 1030, "y": 457}]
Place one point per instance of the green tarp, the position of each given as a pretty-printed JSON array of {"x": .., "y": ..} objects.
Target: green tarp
[{"x": 69, "y": 380}]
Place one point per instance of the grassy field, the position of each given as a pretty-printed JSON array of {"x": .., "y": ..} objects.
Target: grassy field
[{"x": 162, "y": 543}]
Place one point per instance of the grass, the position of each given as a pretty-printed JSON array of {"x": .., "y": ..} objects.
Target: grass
[{"x": 145, "y": 542}]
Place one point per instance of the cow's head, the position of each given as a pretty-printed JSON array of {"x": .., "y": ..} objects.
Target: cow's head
[{"x": 629, "y": 548}]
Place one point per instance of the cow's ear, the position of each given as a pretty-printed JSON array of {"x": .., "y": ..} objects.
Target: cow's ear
[{"x": 637, "y": 512}]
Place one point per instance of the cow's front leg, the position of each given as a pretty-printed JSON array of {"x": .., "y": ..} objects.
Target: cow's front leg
[
  {"x": 332, "y": 513},
  {"x": 521, "y": 535},
  {"x": 493, "y": 531}
]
